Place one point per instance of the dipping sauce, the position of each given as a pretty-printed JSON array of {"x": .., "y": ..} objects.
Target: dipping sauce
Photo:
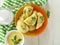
[{"x": 14, "y": 38}]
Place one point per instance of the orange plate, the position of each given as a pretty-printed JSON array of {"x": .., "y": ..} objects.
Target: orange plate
[{"x": 39, "y": 9}]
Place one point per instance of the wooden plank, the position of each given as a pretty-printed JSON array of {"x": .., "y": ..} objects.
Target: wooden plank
[
  {"x": 44, "y": 38},
  {"x": 56, "y": 13},
  {"x": 31, "y": 41},
  {"x": 27, "y": 41},
  {"x": 35, "y": 40}
]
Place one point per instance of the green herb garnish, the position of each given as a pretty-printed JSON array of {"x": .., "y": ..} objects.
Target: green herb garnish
[
  {"x": 29, "y": 10},
  {"x": 33, "y": 18},
  {"x": 15, "y": 40},
  {"x": 48, "y": 14},
  {"x": 23, "y": 27},
  {"x": 42, "y": 18}
]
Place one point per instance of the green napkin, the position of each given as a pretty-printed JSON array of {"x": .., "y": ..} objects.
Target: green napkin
[{"x": 17, "y": 3}]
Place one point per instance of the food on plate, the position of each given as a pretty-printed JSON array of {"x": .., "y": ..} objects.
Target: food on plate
[
  {"x": 14, "y": 38},
  {"x": 33, "y": 18},
  {"x": 31, "y": 28},
  {"x": 40, "y": 20},
  {"x": 23, "y": 17},
  {"x": 31, "y": 21},
  {"x": 27, "y": 10},
  {"x": 21, "y": 26}
]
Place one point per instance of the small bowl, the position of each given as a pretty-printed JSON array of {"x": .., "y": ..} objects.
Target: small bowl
[
  {"x": 39, "y": 9},
  {"x": 6, "y": 40},
  {"x": 6, "y": 16}
]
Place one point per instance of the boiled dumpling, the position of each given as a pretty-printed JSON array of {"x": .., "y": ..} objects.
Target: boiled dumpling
[
  {"x": 21, "y": 26},
  {"x": 40, "y": 20},
  {"x": 22, "y": 17},
  {"x": 28, "y": 10},
  {"x": 31, "y": 28},
  {"x": 31, "y": 21}
]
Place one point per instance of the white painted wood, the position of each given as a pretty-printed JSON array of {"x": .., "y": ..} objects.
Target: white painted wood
[
  {"x": 35, "y": 40},
  {"x": 28, "y": 41},
  {"x": 31, "y": 41},
  {"x": 56, "y": 13}
]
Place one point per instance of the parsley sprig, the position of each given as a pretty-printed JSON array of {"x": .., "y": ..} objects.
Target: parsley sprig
[
  {"x": 48, "y": 13},
  {"x": 15, "y": 40}
]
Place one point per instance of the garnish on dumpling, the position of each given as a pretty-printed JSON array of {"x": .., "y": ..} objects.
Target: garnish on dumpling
[{"x": 40, "y": 20}]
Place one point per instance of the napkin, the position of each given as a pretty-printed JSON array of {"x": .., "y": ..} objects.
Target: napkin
[{"x": 14, "y": 5}]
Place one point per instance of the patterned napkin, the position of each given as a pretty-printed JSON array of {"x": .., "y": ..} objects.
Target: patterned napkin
[{"x": 16, "y": 4}]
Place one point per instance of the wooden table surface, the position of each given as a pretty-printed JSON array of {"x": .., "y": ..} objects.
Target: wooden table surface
[{"x": 51, "y": 36}]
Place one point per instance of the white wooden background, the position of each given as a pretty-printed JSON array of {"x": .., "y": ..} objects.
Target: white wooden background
[{"x": 51, "y": 36}]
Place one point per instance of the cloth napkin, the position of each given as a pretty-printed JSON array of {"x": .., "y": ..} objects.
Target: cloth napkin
[{"x": 16, "y": 4}]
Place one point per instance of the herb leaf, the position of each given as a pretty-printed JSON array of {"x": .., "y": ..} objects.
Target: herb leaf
[
  {"x": 12, "y": 40},
  {"x": 42, "y": 18},
  {"x": 18, "y": 41},
  {"x": 15, "y": 37},
  {"x": 33, "y": 18},
  {"x": 48, "y": 13},
  {"x": 15, "y": 40}
]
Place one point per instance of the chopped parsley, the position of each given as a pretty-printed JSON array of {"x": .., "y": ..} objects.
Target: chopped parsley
[
  {"x": 29, "y": 10},
  {"x": 33, "y": 18},
  {"x": 42, "y": 18}
]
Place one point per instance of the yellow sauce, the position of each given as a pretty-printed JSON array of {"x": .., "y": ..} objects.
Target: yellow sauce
[{"x": 11, "y": 36}]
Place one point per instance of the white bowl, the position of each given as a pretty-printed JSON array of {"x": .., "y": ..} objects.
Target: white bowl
[
  {"x": 6, "y": 16},
  {"x": 6, "y": 42}
]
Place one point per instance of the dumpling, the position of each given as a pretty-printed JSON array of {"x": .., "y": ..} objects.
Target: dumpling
[
  {"x": 40, "y": 20},
  {"x": 31, "y": 21},
  {"x": 31, "y": 28},
  {"x": 28, "y": 10},
  {"x": 23, "y": 17},
  {"x": 21, "y": 26}
]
